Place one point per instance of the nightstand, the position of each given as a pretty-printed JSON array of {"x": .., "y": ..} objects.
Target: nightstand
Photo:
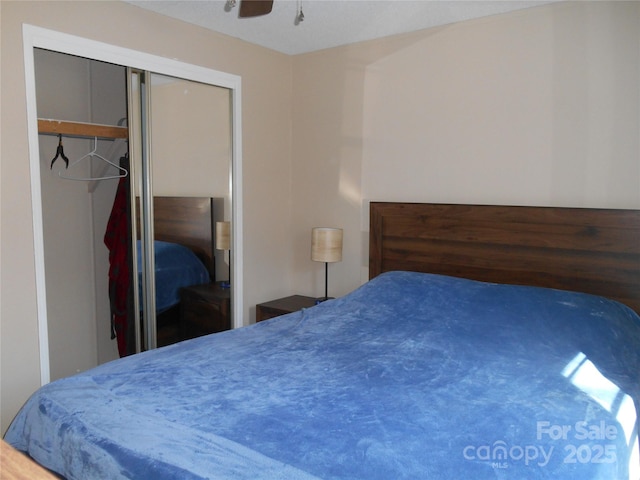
[
  {"x": 275, "y": 308},
  {"x": 204, "y": 309}
]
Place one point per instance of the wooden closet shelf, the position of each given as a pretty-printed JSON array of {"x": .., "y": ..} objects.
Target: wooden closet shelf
[{"x": 79, "y": 129}]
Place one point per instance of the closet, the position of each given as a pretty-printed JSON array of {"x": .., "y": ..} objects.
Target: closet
[
  {"x": 83, "y": 109},
  {"x": 74, "y": 213}
]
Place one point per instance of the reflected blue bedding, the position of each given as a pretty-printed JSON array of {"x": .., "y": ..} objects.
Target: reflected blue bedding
[
  {"x": 411, "y": 376},
  {"x": 176, "y": 266}
]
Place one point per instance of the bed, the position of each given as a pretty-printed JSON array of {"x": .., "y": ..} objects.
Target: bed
[
  {"x": 189, "y": 221},
  {"x": 185, "y": 255},
  {"x": 437, "y": 375}
]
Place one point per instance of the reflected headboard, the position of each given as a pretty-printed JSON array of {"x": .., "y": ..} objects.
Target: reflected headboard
[
  {"x": 595, "y": 251},
  {"x": 189, "y": 221}
]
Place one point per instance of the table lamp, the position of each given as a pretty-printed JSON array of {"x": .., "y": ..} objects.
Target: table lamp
[
  {"x": 223, "y": 242},
  {"x": 326, "y": 246}
]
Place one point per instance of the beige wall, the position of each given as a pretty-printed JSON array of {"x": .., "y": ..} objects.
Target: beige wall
[
  {"x": 191, "y": 140},
  {"x": 538, "y": 107},
  {"x": 266, "y": 84}
]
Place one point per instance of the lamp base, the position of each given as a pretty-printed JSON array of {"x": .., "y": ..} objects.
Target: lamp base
[{"x": 323, "y": 299}]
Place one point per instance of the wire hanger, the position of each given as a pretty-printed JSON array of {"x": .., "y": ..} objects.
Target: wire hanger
[
  {"x": 60, "y": 153},
  {"x": 122, "y": 171}
]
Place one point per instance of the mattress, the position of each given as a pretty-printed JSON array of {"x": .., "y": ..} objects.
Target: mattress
[{"x": 409, "y": 376}]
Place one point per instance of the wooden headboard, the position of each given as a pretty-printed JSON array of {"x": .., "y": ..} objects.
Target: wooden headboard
[
  {"x": 595, "y": 251},
  {"x": 189, "y": 221}
]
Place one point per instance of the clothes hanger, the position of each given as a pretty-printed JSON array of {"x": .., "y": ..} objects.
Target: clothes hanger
[
  {"x": 91, "y": 154},
  {"x": 60, "y": 153}
]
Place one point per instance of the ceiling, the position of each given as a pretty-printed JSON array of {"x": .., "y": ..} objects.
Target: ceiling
[{"x": 329, "y": 23}]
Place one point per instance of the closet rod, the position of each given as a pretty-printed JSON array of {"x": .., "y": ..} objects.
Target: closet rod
[{"x": 79, "y": 129}]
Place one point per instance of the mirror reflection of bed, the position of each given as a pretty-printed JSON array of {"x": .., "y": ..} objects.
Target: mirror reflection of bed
[{"x": 190, "y": 300}]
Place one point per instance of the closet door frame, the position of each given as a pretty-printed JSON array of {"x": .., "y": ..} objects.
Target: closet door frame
[{"x": 38, "y": 37}]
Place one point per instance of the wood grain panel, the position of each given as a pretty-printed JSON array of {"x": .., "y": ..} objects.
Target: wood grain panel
[
  {"x": 572, "y": 236},
  {"x": 590, "y": 250},
  {"x": 188, "y": 221},
  {"x": 15, "y": 465},
  {"x": 79, "y": 129}
]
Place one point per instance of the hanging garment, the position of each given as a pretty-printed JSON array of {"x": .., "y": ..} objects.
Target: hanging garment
[{"x": 117, "y": 238}]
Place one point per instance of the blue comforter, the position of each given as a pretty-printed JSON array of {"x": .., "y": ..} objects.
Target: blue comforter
[
  {"x": 411, "y": 376},
  {"x": 176, "y": 266}
]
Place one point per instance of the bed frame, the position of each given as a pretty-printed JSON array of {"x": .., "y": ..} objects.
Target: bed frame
[{"x": 595, "y": 251}]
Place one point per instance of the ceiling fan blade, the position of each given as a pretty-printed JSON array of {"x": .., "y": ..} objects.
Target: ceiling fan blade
[{"x": 255, "y": 8}]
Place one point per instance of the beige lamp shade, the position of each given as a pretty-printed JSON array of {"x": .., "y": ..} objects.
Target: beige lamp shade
[
  {"x": 326, "y": 244},
  {"x": 223, "y": 235}
]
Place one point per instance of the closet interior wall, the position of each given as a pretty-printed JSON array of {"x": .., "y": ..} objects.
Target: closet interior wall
[{"x": 75, "y": 215}]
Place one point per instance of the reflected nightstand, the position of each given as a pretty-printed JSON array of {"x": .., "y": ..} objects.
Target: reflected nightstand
[{"x": 205, "y": 309}]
